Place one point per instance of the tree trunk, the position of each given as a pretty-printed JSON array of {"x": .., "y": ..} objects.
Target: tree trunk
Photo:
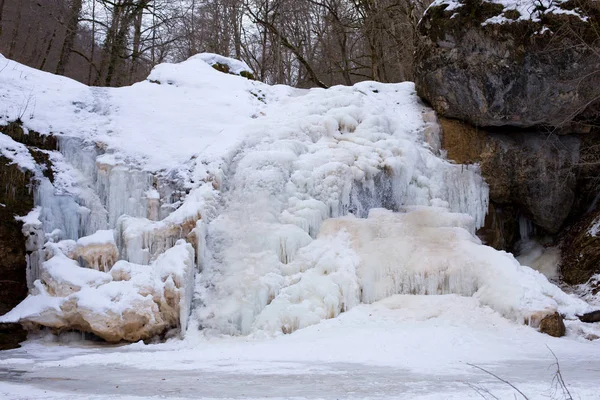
[
  {"x": 72, "y": 23},
  {"x": 137, "y": 37},
  {"x": 111, "y": 37},
  {"x": 91, "y": 63},
  {"x": 48, "y": 48},
  {"x": 1, "y": 15},
  {"x": 15, "y": 34}
]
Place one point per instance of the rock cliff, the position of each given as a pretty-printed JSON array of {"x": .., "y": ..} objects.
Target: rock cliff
[
  {"x": 491, "y": 64},
  {"x": 518, "y": 87}
]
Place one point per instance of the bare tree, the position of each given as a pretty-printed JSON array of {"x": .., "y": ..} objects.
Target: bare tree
[{"x": 68, "y": 43}]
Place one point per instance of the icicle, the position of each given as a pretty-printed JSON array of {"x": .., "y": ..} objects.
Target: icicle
[
  {"x": 34, "y": 242},
  {"x": 526, "y": 228},
  {"x": 98, "y": 251}
]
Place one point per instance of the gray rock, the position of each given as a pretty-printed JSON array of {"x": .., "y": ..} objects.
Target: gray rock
[
  {"x": 535, "y": 172},
  {"x": 521, "y": 74}
]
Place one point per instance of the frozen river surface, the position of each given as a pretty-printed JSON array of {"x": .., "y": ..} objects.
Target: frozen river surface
[{"x": 405, "y": 347}]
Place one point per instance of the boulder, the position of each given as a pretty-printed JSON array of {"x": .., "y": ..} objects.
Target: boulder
[
  {"x": 11, "y": 335},
  {"x": 529, "y": 174},
  {"x": 525, "y": 65},
  {"x": 553, "y": 325}
]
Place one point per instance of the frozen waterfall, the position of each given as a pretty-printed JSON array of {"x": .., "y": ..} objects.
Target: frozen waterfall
[{"x": 249, "y": 207}]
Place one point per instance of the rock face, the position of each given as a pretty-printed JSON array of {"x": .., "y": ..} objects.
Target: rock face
[
  {"x": 529, "y": 174},
  {"x": 528, "y": 71},
  {"x": 17, "y": 199},
  {"x": 581, "y": 250},
  {"x": 506, "y": 74},
  {"x": 553, "y": 325}
]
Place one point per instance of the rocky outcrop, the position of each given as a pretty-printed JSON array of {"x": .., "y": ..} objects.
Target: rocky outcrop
[
  {"x": 483, "y": 63},
  {"x": 530, "y": 174},
  {"x": 16, "y": 199},
  {"x": 519, "y": 85},
  {"x": 11, "y": 335},
  {"x": 590, "y": 317}
]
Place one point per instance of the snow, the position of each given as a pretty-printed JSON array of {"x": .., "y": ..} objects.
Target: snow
[
  {"x": 67, "y": 276},
  {"x": 16, "y": 152},
  {"x": 529, "y": 10},
  {"x": 99, "y": 237},
  {"x": 32, "y": 217},
  {"x": 199, "y": 101},
  {"x": 235, "y": 66}
]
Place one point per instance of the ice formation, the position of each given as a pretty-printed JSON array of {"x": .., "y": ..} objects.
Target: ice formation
[
  {"x": 424, "y": 251},
  {"x": 132, "y": 302},
  {"x": 265, "y": 200}
]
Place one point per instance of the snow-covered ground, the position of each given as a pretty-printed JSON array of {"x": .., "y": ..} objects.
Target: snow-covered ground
[
  {"x": 291, "y": 296},
  {"x": 403, "y": 347}
]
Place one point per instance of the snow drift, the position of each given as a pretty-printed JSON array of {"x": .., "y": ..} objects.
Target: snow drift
[{"x": 270, "y": 196}]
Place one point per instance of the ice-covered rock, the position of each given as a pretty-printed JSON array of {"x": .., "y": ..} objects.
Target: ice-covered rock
[
  {"x": 133, "y": 302},
  {"x": 98, "y": 251}
]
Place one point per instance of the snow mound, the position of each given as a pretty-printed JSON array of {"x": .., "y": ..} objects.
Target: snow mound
[{"x": 425, "y": 251}]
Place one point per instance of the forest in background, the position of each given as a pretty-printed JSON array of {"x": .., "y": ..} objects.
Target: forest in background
[{"x": 302, "y": 43}]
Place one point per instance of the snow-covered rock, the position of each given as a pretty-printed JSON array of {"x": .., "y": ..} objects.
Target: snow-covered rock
[{"x": 132, "y": 302}]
